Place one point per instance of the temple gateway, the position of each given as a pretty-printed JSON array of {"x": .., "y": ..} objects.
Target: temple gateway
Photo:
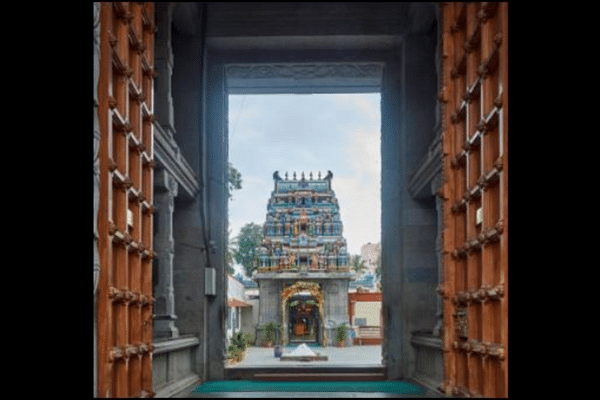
[{"x": 303, "y": 272}]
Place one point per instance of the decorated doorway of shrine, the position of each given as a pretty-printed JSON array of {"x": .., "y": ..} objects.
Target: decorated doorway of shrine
[
  {"x": 303, "y": 321},
  {"x": 302, "y": 313}
]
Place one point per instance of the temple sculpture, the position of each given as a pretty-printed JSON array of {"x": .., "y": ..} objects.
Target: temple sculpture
[{"x": 303, "y": 272}]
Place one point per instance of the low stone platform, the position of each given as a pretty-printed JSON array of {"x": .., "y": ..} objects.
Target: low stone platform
[{"x": 303, "y": 353}]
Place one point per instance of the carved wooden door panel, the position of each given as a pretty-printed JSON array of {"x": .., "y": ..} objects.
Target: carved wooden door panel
[
  {"x": 475, "y": 168},
  {"x": 125, "y": 107}
]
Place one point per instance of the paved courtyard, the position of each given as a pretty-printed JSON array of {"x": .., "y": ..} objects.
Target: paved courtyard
[{"x": 357, "y": 356}]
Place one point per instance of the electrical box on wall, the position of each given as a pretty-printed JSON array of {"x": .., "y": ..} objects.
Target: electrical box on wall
[{"x": 210, "y": 282}]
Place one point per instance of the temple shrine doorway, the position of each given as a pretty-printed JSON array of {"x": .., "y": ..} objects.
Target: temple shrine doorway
[{"x": 303, "y": 319}]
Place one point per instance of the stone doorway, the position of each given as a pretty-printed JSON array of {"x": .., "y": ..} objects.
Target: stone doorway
[
  {"x": 402, "y": 67},
  {"x": 303, "y": 319}
]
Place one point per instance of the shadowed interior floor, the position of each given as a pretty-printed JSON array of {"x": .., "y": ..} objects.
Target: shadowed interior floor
[{"x": 399, "y": 387}]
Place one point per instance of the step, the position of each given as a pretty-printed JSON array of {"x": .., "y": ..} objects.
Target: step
[{"x": 307, "y": 374}]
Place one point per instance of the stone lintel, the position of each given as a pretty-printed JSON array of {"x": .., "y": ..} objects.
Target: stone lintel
[
  {"x": 314, "y": 77},
  {"x": 168, "y": 155}
]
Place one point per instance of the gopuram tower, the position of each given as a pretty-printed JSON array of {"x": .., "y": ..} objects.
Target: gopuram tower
[{"x": 303, "y": 272}]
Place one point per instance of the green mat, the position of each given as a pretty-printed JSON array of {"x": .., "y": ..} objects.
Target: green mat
[{"x": 406, "y": 388}]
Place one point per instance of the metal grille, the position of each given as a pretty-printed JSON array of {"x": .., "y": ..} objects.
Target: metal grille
[
  {"x": 475, "y": 166},
  {"x": 125, "y": 110}
]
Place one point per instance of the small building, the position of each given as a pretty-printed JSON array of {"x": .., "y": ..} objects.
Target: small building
[
  {"x": 369, "y": 253},
  {"x": 239, "y": 310},
  {"x": 365, "y": 283},
  {"x": 364, "y": 313}
]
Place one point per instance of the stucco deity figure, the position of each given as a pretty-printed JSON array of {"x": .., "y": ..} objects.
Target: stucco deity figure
[
  {"x": 287, "y": 228},
  {"x": 314, "y": 261}
]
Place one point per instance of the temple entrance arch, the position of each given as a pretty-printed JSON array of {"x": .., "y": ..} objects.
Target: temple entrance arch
[{"x": 316, "y": 295}]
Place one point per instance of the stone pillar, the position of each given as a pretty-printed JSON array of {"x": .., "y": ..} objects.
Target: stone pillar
[
  {"x": 392, "y": 203},
  {"x": 336, "y": 306},
  {"x": 439, "y": 206},
  {"x": 165, "y": 191},
  {"x": 269, "y": 305},
  {"x": 163, "y": 105}
]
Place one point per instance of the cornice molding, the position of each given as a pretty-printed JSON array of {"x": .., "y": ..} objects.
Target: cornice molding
[
  {"x": 167, "y": 153},
  {"x": 420, "y": 183}
]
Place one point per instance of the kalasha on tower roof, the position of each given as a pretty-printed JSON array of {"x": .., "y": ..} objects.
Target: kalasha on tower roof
[{"x": 303, "y": 229}]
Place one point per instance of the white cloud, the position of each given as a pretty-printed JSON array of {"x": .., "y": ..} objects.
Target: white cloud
[{"x": 309, "y": 133}]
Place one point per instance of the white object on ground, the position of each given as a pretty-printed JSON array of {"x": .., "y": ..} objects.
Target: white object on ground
[{"x": 303, "y": 350}]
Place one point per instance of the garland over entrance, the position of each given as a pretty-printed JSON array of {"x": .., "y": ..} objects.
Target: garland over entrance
[{"x": 298, "y": 287}]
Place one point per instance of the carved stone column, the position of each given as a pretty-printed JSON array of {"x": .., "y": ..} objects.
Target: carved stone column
[
  {"x": 163, "y": 106},
  {"x": 165, "y": 191},
  {"x": 439, "y": 244}
]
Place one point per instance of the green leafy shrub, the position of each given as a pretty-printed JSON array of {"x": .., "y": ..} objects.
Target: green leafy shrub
[
  {"x": 237, "y": 346},
  {"x": 270, "y": 329},
  {"x": 249, "y": 339},
  {"x": 340, "y": 333}
]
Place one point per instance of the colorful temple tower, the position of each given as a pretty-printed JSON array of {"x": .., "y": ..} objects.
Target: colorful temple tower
[{"x": 303, "y": 273}]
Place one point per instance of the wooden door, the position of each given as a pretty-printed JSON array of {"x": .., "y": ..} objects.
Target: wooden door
[
  {"x": 125, "y": 96},
  {"x": 474, "y": 100}
]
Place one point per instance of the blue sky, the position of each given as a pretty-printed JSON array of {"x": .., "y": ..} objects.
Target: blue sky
[{"x": 309, "y": 132}]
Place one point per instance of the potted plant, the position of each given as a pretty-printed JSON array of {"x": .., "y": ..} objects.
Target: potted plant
[
  {"x": 340, "y": 335},
  {"x": 237, "y": 348},
  {"x": 270, "y": 328}
]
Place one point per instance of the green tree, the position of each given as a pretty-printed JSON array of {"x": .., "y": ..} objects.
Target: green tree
[
  {"x": 246, "y": 246},
  {"x": 234, "y": 180},
  {"x": 378, "y": 268},
  {"x": 357, "y": 264},
  {"x": 230, "y": 255}
]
